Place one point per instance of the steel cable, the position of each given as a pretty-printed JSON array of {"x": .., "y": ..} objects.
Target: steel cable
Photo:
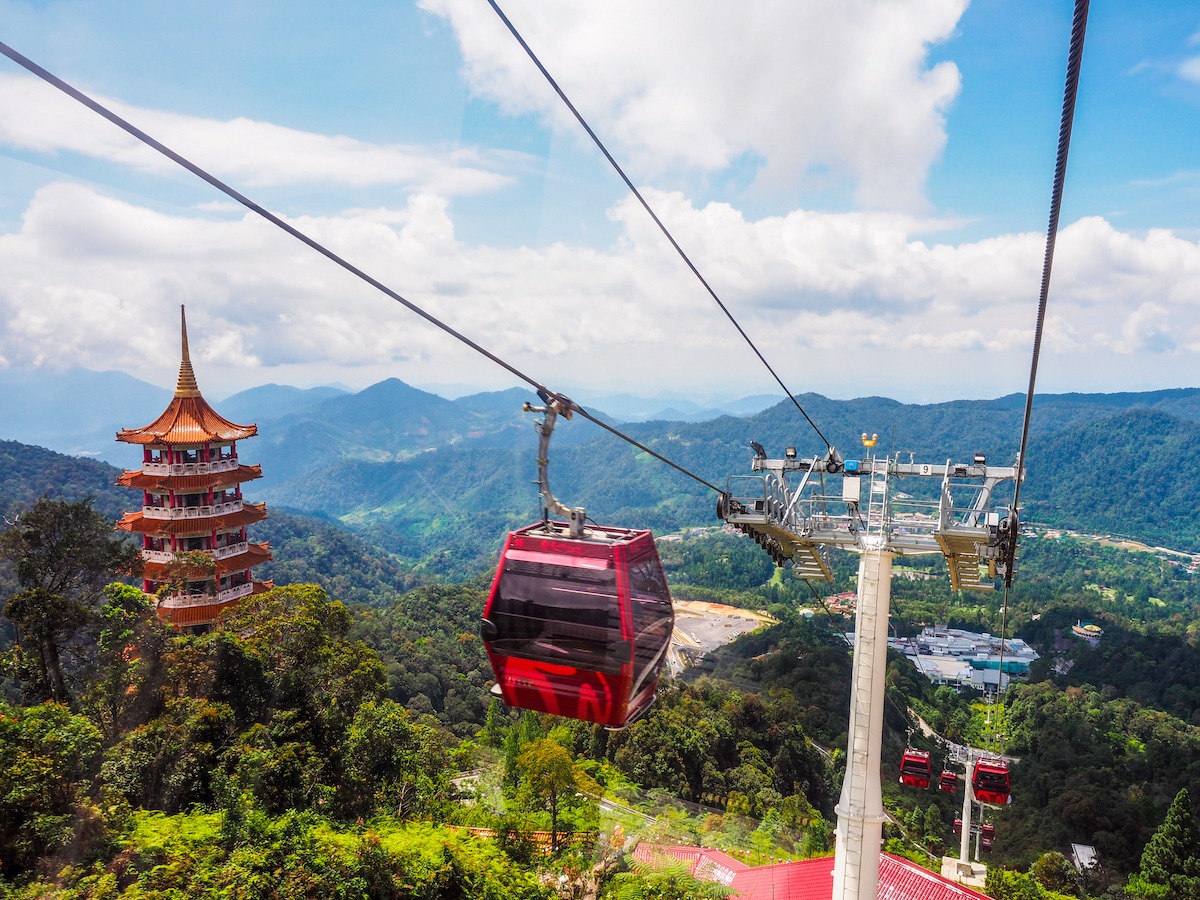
[
  {"x": 129, "y": 128},
  {"x": 650, "y": 211},
  {"x": 1074, "y": 63}
]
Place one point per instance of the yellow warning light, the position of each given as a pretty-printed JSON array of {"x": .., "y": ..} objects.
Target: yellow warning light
[{"x": 869, "y": 441}]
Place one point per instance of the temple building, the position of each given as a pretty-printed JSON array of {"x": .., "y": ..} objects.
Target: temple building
[{"x": 193, "y": 519}]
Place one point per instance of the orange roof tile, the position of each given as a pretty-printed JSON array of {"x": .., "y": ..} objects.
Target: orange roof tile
[
  {"x": 187, "y": 420},
  {"x": 139, "y": 524},
  {"x": 187, "y": 484},
  {"x": 254, "y": 555},
  {"x": 186, "y": 616}
]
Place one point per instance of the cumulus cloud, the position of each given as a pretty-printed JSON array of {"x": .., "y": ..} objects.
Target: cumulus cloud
[
  {"x": 838, "y": 303},
  {"x": 1189, "y": 69},
  {"x": 1147, "y": 328},
  {"x": 34, "y": 116},
  {"x": 807, "y": 89}
]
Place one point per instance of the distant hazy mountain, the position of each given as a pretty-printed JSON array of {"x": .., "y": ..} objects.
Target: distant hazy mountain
[
  {"x": 441, "y": 481},
  {"x": 76, "y": 411},
  {"x": 418, "y": 470},
  {"x": 675, "y": 407},
  {"x": 273, "y": 401}
]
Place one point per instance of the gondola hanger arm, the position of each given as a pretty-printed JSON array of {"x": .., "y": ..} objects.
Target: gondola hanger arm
[{"x": 556, "y": 405}]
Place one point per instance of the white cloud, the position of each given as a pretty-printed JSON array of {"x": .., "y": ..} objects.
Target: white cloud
[
  {"x": 34, "y": 116},
  {"x": 839, "y": 303},
  {"x": 815, "y": 90},
  {"x": 1146, "y": 329},
  {"x": 1189, "y": 69}
]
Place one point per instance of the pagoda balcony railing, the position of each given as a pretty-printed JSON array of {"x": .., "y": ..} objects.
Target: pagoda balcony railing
[
  {"x": 205, "y": 468},
  {"x": 167, "y": 556},
  {"x": 200, "y": 598},
  {"x": 191, "y": 512},
  {"x": 234, "y": 593}
]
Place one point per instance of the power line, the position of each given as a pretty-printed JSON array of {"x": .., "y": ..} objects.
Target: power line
[
  {"x": 245, "y": 201},
  {"x": 657, "y": 221}
]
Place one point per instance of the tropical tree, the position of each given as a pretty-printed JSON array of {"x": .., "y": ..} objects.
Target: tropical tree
[
  {"x": 551, "y": 780},
  {"x": 395, "y": 765},
  {"x": 63, "y": 555},
  {"x": 1171, "y": 860},
  {"x": 130, "y": 641},
  {"x": 662, "y": 880},
  {"x": 46, "y": 755},
  {"x": 1056, "y": 873},
  {"x": 1005, "y": 884}
]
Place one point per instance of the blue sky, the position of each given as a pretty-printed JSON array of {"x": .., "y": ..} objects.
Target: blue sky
[{"x": 865, "y": 184}]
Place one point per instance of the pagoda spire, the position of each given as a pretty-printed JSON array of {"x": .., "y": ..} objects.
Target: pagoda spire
[{"x": 187, "y": 386}]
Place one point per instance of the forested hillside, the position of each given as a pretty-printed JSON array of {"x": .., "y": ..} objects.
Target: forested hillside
[
  {"x": 195, "y": 763},
  {"x": 1095, "y": 464}
]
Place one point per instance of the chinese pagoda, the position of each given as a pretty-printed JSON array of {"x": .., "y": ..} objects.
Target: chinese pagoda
[{"x": 193, "y": 518}]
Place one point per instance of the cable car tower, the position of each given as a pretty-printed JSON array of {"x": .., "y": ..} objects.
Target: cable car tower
[{"x": 798, "y": 509}]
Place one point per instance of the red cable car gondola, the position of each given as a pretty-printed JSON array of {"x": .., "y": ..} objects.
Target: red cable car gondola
[
  {"x": 579, "y": 627},
  {"x": 948, "y": 781},
  {"x": 915, "y": 770},
  {"x": 987, "y": 834},
  {"x": 579, "y": 618},
  {"x": 990, "y": 781}
]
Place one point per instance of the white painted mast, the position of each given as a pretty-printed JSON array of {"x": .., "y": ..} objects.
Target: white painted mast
[{"x": 796, "y": 526}]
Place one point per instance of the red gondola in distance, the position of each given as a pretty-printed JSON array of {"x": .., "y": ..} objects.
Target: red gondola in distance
[
  {"x": 579, "y": 626},
  {"x": 990, "y": 781},
  {"x": 987, "y": 835},
  {"x": 948, "y": 781},
  {"x": 915, "y": 768}
]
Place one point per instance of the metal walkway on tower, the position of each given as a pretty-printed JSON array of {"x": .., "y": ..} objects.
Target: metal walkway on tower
[{"x": 797, "y": 525}]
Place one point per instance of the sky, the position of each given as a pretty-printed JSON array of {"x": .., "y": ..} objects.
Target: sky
[{"x": 864, "y": 184}]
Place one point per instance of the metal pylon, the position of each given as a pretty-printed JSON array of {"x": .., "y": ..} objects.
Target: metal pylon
[{"x": 798, "y": 523}]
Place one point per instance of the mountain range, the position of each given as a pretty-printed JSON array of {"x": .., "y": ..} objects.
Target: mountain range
[
  {"x": 78, "y": 411},
  {"x": 429, "y": 478}
]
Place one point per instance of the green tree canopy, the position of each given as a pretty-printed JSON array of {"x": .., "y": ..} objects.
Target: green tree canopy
[
  {"x": 394, "y": 764},
  {"x": 552, "y": 780},
  {"x": 46, "y": 753},
  {"x": 1171, "y": 860},
  {"x": 63, "y": 555}
]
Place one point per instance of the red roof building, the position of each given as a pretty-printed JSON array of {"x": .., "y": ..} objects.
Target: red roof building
[
  {"x": 808, "y": 879},
  {"x": 191, "y": 484}
]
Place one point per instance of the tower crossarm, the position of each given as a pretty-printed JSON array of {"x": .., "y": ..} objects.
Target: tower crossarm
[
  {"x": 826, "y": 508},
  {"x": 762, "y": 507}
]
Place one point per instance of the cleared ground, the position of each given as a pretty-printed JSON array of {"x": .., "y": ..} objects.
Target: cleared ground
[{"x": 703, "y": 627}]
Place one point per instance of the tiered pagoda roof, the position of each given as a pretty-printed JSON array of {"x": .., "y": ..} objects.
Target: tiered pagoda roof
[
  {"x": 188, "y": 419},
  {"x": 189, "y": 508},
  {"x": 157, "y": 483},
  {"x": 139, "y": 523},
  {"x": 184, "y": 611},
  {"x": 251, "y": 556}
]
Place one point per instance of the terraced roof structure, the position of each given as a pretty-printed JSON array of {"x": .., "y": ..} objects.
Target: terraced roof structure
[
  {"x": 192, "y": 523},
  {"x": 808, "y": 879}
]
